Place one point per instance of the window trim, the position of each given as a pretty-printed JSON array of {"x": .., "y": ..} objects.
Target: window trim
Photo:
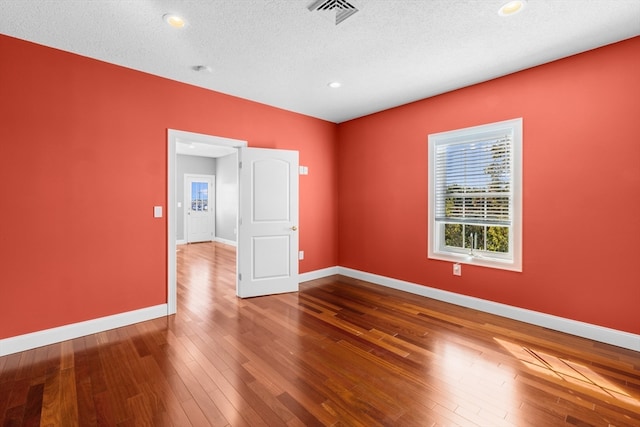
[{"x": 436, "y": 249}]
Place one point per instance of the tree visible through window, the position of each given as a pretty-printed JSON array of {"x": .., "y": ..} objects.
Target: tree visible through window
[
  {"x": 199, "y": 196},
  {"x": 474, "y": 195}
]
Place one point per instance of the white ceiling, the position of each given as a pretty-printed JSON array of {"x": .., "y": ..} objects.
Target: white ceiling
[{"x": 279, "y": 53}]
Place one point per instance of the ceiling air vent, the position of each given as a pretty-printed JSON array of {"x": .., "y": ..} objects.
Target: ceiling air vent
[{"x": 343, "y": 8}]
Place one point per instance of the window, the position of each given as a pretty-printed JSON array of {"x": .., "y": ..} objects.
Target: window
[
  {"x": 199, "y": 196},
  {"x": 475, "y": 195}
]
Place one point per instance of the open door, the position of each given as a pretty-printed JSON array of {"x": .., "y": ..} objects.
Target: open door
[{"x": 268, "y": 222}]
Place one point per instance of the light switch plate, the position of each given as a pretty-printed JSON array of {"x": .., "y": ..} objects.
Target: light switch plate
[{"x": 157, "y": 211}]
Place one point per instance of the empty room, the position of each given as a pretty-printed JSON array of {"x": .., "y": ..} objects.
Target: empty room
[{"x": 320, "y": 212}]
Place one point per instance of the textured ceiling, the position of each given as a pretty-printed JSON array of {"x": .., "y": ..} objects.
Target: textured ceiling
[{"x": 279, "y": 53}]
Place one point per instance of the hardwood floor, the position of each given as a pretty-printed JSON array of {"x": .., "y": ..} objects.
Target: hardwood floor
[{"x": 340, "y": 352}]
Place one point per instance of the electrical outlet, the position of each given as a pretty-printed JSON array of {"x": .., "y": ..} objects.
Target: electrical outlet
[
  {"x": 301, "y": 255},
  {"x": 457, "y": 269}
]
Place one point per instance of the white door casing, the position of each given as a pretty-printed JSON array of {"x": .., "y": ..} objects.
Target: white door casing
[
  {"x": 267, "y": 259},
  {"x": 173, "y": 137},
  {"x": 199, "y": 207}
]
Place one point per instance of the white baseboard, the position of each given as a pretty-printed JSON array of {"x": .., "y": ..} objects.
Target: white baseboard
[
  {"x": 586, "y": 330},
  {"x": 75, "y": 330},
  {"x": 318, "y": 274},
  {"x": 217, "y": 239},
  {"x": 573, "y": 327},
  {"x": 226, "y": 241}
]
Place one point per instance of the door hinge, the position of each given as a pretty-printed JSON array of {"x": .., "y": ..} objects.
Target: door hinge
[
  {"x": 240, "y": 165},
  {"x": 240, "y": 276}
]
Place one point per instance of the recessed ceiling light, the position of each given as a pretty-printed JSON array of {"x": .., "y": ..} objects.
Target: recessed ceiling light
[
  {"x": 174, "y": 20},
  {"x": 512, "y": 7},
  {"x": 334, "y": 85}
]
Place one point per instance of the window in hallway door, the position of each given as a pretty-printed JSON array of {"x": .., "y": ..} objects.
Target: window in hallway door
[{"x": 199, "y": 196}]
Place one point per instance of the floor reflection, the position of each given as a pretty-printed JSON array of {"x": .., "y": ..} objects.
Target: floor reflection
[{"x": 562, "y": 370}]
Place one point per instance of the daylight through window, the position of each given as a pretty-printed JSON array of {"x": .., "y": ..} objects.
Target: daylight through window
[{"x": 474, "y": 195}]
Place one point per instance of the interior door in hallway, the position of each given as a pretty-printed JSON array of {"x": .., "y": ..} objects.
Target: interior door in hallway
[
  {"x": 268, "y": 222},
  {"x": 200, "y": 208}
]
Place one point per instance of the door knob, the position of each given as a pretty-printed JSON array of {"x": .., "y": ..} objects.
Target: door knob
[{"x": 294, "y": 228}]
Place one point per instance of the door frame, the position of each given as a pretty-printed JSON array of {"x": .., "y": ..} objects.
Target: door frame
[
  {"x": 186, "y": 201},
  {"x": 173, "y": 136}
]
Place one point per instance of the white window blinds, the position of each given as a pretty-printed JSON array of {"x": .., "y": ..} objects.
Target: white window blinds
[{"x": 473, "y": 181}]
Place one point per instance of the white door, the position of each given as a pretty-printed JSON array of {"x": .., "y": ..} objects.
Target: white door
[
  {"x": 268, "y": 222},
  {"x": 200, "y": 208}
]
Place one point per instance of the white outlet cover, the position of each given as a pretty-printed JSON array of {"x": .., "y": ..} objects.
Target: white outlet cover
[{"x": 457, "y": 269}]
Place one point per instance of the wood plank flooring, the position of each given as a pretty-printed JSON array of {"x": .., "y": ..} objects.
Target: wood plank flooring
[{"x": 339, "y": 353}]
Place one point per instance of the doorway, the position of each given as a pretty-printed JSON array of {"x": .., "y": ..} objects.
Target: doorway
[
  {"x": 204, "y": 145},
  {"x": 267, "y": 195}
]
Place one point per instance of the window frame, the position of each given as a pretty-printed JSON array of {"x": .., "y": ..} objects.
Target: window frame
[{"x": 511, "y": 260}]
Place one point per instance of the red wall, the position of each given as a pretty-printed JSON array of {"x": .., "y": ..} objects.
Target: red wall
[
  {"x": 581, "y": 131},
  {"x": 83, "y": 162}
]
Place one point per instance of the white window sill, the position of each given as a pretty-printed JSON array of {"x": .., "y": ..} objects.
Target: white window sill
[{"x": 477, "y": 259}]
